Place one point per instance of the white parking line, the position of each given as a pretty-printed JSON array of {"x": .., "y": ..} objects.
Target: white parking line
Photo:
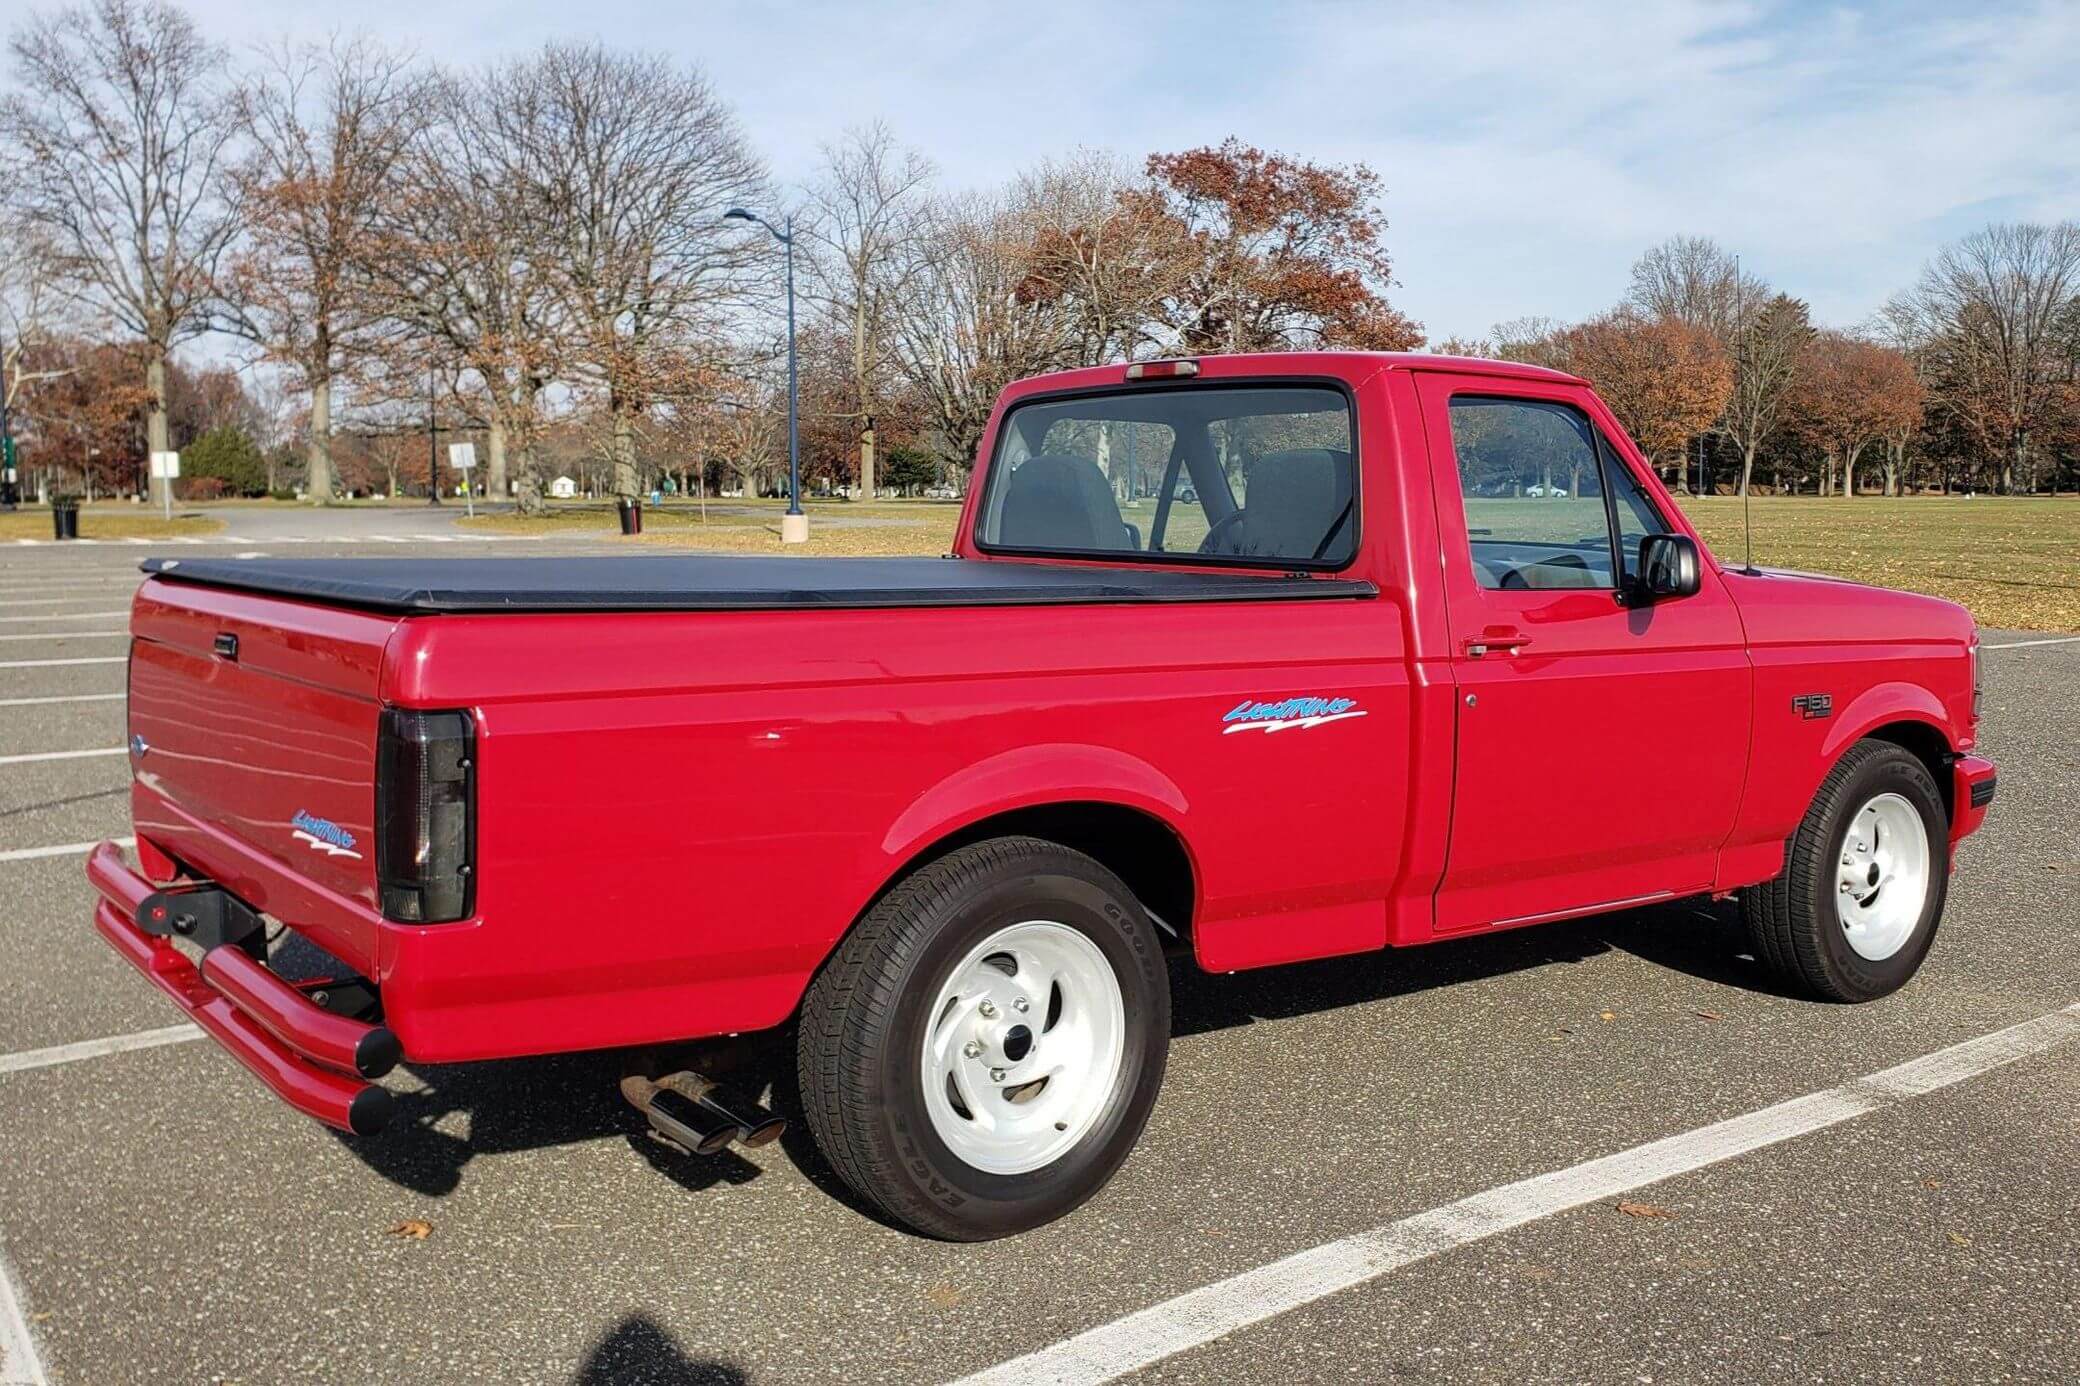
[
  {"x": 64, "y": 755},
  {"x": 63, "y": 849},
  {"x": 63, "y": 616},
  {"x": 11, "y": 602},
  {"x": 60, "y": 663},
  {"x": 66, "y": 635},
  {"x": 1214, "y": 1311},
  {"x": 96, "y": 1048},
  {"x": 19, "y": 1364},
  {"x": 2026, "y": 644},
  {"x": 64, "y": 698}
]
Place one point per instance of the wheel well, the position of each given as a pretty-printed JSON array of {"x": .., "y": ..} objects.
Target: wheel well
[
  {"x": 1137, "y": 847},
  {"x": 1927, "y": 745}
]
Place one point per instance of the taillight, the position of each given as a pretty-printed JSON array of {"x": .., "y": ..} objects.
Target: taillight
[
  {"x": 426, "y": 815},
  {"x": 1163, "y": 370}
]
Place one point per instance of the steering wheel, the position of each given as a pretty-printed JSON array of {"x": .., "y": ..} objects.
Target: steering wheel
[{"x": 1220, "y": 527}]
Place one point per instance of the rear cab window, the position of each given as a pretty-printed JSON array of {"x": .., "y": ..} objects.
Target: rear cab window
[
  {"x": 1261, "y": 475},
  {"x": 1549, "y": 502}
]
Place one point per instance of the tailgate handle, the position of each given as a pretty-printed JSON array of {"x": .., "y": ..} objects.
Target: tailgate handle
[{"x": 226, "y": 644}]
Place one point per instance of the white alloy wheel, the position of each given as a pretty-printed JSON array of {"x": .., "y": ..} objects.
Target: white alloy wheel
[
  {"x": 1025, "y": 1046},
  {"x": 1882, "y": 884}
]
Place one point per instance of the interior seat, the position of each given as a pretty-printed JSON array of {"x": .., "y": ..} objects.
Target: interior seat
[
  {"x": 1297, "y": 505},
  {"x": 1057, "y": 500}
]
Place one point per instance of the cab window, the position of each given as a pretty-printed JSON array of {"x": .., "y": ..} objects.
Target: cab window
[
  {"x": 1263, "y": 475},
  {"x": 1534, "y": 476}
]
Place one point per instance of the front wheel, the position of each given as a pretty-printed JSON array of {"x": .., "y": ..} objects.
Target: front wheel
[
  {"x": 982, "y": 1051},
  {"x": 1864, "y": 880}
]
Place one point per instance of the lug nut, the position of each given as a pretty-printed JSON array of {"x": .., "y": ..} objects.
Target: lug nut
[
  {"x": 1021, "y": 1004},
  {"x": 988, "y": 1009},
  {"x": 996, "y": 1075},
  {"x": 973, "y": 1048}
]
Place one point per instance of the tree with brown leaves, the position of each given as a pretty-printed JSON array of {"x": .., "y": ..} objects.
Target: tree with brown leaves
[
  {"x": 1666, "y": 380},
  {"x": 1286, "y": 253},
  {"x": 1848, "y": 394}
]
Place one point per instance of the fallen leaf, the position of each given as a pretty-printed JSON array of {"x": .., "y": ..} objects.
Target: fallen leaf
[
  {"x": 1931, "y": 1183},
  {"x": 1608, "y": 1015},
  {"x": 943, "y": 1296},
  {"x": 415, "y": 1228},
  {"x": 1709, "y": 1015},
  {"x": 1643, "y": 1210},
  {"x": 1960, "y": 1239}
]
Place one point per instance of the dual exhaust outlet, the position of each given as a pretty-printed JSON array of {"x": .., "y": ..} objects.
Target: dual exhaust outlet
[{"x": 700, "y": 1115}]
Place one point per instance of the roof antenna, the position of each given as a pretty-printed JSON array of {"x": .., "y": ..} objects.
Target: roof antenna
[{"x": 1740, "y": 327}]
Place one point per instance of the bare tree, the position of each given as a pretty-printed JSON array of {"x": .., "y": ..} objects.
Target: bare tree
[
  {"x": 326, "y": 129},
  {"x": 631, "y": 162},
  {"x": 1992, "y": 318},
  {"x": 461, "y": 262},
  {"x": 1107, "y": 248},
  {"x": 863, "y": 220},
  {"x": 967, "y": 329},
  {"x": 1693, "y": 280},
  {"x": 1766, "y": 354},
  {"x": 125, "y": 127},
  {"x": 29, "y": 314}
]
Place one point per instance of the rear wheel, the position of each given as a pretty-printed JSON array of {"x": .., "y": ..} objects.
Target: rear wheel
[
  {"x": 1864, "y": 880},
  {"x": 982, "y": 1051}
]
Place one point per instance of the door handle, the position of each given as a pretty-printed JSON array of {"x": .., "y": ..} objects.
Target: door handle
[{"x": 1506, "y": 641}]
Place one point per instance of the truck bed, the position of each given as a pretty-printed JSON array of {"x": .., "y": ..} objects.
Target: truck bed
[{"x": 695, "y": 582}]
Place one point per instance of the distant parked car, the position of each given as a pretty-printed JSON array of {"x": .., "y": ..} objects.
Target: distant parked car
[
  {"x": 1535, "y": 489},
  {"x": 941, "y": 493}
]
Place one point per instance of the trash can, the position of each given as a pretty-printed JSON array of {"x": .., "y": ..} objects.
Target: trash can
[
  {"x": 631, "y": 512},
  {"x": 65, "y": 519}
]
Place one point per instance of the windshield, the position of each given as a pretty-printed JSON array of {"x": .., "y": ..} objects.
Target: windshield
[{"x": 1259, "y": 474}]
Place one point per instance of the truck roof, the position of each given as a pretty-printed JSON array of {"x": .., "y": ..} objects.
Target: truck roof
[{"x": 1346, "y": 364}]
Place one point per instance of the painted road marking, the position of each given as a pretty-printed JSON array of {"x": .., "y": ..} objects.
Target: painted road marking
[
  {"x": 2026, "y": 644},
  {"x": 64, "y": 616},
  {"x": 248, "y": 539},
  {"x": 1213, "y": 1311},
  {"x": 63, "y": 849},
  {"x": 64, "y": 755},
  {"x": 66, "y": 635},
  {"x": 65, "y": 698},
  {"x": 96, "y": 1048},
  {"x": 19, "y": 1364},
  {"x": 56, "y": 601},
  {"x": 61, "y": 663}
]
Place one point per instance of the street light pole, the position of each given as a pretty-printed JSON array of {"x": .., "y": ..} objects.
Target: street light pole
[{"x": 794, "y": 525}]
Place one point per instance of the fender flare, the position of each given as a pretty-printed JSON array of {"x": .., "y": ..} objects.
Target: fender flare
[{"x": 1881, "y": 705}]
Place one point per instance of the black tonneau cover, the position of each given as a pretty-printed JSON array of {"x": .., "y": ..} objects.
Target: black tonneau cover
[{"x": 696, "y": 582}]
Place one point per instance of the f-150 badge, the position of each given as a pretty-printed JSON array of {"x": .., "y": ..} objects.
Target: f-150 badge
[
  {"x": 1301, "y": 713},
  {"x": 323, "y": 835}
]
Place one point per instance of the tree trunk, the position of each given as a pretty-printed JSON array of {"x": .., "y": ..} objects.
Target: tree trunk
[
  {"x": 1849, "y": 458},
  {"x": 155, "y": 417},
  {"x": 625, "y": 479},
  {"x": 1747, "y": 468},
  {"x": 494, "y": 456},
  {"x": 866, "y": 408},
  {"x": 317, "y": 484}
]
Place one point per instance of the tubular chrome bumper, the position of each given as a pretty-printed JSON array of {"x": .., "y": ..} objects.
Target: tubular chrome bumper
[{"x": 315, "y": 1060}]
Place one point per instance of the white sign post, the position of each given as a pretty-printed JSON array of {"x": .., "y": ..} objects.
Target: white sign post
[
  {"x": 462, "y": 457},
  {"x": 165, "y": 467}
]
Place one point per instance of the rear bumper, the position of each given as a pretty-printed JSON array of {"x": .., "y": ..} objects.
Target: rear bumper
[
  {"x": 315, "y": 1060},
  {"x": 1972, "y": 786}
]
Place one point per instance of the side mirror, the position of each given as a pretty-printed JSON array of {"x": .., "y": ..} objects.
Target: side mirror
[{"x": 1668, "y": 566}]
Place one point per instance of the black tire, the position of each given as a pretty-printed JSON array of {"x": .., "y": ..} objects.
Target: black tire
[
  {"x": 1793, "y": 920},
  {"x": 864, "y": 1023}
]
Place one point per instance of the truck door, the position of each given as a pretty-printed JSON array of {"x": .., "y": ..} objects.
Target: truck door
[{"x": 1602, "y": 740}]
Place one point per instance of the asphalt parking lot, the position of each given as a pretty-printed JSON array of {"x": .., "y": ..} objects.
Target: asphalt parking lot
[{"x": 166, "y": 1220}]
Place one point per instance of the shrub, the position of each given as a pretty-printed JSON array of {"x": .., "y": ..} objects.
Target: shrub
[{"x": 225, "y": 455}]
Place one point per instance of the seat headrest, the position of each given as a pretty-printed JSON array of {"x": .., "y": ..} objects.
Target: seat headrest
[
  {"x": 1061, "y": 501},
  {"x": 1295, "y": 503}
]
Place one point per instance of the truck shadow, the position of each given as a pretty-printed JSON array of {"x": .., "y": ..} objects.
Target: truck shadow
[{"x": 453, "y": 1114}]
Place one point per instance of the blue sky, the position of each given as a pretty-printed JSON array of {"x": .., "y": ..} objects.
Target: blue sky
[{"x": 1529, "y": 151}]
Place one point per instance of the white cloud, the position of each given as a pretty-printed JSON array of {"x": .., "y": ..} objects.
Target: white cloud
[{"x": 1530, "y": 151}]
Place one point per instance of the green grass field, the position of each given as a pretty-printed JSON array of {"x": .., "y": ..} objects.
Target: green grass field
[{"x": 2015, "y": 563}]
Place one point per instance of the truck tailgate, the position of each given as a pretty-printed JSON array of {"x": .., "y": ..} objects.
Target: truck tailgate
[{"x": 253, "y": 725}]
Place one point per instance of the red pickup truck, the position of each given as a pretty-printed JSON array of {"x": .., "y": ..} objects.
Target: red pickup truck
[{"x": 1248, "y": 659}]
